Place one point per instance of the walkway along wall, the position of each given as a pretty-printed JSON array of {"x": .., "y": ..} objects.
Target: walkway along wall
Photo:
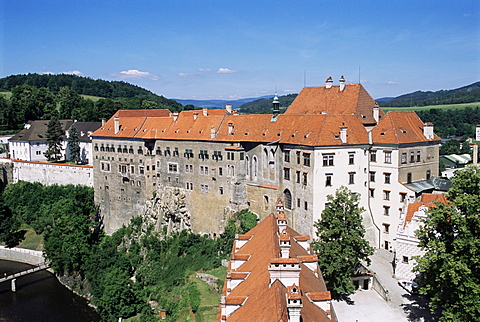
[{"x": 32, "y": 257}]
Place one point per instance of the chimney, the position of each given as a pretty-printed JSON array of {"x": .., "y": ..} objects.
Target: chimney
[
  {"x": 195, "y": 116},
  {"x": 116, "y": 124},
  {"x": 228, "y": 108},
  {"x": 212, "y": 133},
  {"x": 230, "y": 128},
  {"x": 343, "y": 134},
  {"x": 285, "y": 245},
  {"x": 286, "y": 270},
  {"x": 342, "y": 83},
  {"x": 103, "y": 122},
  {"x": 376, "y": 112},
  {"x": 294, "y": 303},
  {"x": 329, "y": 82},
  {"x": 175, "y": 116},
  {"x": 204, "y": 111},
  {"x": 428, "y": 130}
]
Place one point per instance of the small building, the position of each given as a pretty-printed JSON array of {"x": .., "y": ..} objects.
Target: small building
[{"x": 407, "y": 242}]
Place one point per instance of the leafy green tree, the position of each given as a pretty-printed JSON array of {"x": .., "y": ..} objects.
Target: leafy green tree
[
  {"x": 247, "y": 219},
  {"x": 340, "y": 244},
  {"x": 450, "y": 235},
  {"x": 465, "y": 149},
  {"x": 68, "y": 101},
  {"x": 10, "y": 232},
  {"x": 450, "y": 147},
  {"x": 73, "y": 145},
  {"x": 54, "y": 140}
]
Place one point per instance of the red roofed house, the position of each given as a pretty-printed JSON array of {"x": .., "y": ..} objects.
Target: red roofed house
[
  {"x": 194, "y": 169},
  {"x": 279, "y": 280},
  {"x": 407, "y": 242}
]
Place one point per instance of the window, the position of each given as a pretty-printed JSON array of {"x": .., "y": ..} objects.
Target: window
[
  {"x": 140, "y": 150},
  {"x": 387, "y": 177},
  {"x": 373, "y": 155},
  {"x": 386, "y": 228},
  {"x": 409, "y": 177},
  {"x": 405, "y": 259},
  {"x": 220, "y": 190},
  {"x": 158, "y": 151},
  {"x": 403, "y": 196},
  {"x": 419, "y": 156},
  {"x": 217, "y": 155},
  {"x": 386, "y": 195},
  {"x": 286, "y": 173},
  {"x": 167, "y": 151},
  {"x": 188, "y": 153},
  {"x": 288, "y": 199},
  {"x": 372, "y": 176},
  {"x": 328, "y": 160},
  {"x": 298, "y": 157},
  {"x": 412, "y": 156},
  {"x": 351, "y": 158},
  {"x": 102, "y": 148},
  {"x": 404, "y": 157},
  {"x": 38, "y": 152},
  {"x": 305, "y": 205},
  {"x": 372, "y": 192},
  {"x": 204, "y": 188},
  {"x": 428, "y": 174},
  {"x": 242, "y": 156},
  {"x": 172, "y": 167},
  {"x": 95, "y": 147},
  {"x": 265, "y": 202},
  {"x": 175, "y": 152},
  {"x": 132, "y": 169},
  {"x": 286, "y": 155},
  {"x": 141, "y": 170},
  {"x": 298, "y": 202},
  {"x": 297, "y": 173},
  {"x": 305, "y": 178},
  {"x": 328, "y": 179},
  {"x": 122, "y": 168},
  {"x": 388, "y": 156},
  {"x": 105, "y": 166},
  {"x": 306, "y": 159},
  {"x": 220, "y": 171},
  {"x": 188, "y": 168},
  {"x": 203, "y": 170},
  {"x": 189, "y": 185},
  {"x": 230, "y": 156},
  {"x": 386, "y": 210},
  {"x": 351, "y": 177}
]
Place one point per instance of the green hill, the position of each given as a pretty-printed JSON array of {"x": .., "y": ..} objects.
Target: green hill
[{"x": 264, "y": 105}]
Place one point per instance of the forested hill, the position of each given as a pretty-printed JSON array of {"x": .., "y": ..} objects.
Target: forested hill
[
  {"x": 465, "y": 94},
  {"x": 83, "y": 86},
  {"x": 264, "y": 105}
]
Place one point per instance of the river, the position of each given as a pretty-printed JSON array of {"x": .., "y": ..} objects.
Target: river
[{"x": 40, "y": 297}]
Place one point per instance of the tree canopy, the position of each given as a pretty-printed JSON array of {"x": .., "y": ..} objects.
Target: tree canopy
[
  {"x": 54, "y": 136},
  {"x": 73, "y": 145},
  {"x": 450, "y": 235},
  {"x": 341, "y": 244}
]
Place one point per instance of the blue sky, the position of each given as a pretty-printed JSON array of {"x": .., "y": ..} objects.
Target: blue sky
[{"x": 236, "y": 49}]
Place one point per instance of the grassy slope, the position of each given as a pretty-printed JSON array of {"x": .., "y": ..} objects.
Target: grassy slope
[
  {"x": 210, "y": 299},
  {"x": 428, "y": 107}
]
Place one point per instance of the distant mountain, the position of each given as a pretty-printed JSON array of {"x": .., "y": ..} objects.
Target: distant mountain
[
  {"x": 264, "y": 105},
  {"x": 465, "y": 94},
  {"x": 384, "y": 99},
  {"x": 217, "y": 103}
]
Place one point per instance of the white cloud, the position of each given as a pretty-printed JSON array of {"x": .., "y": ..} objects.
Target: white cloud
[
  {"x": 391, "y": 83},
  {"x": 225, "y": 71},
  {"x": 72, "y": 72},
  {"x": 48, "y": 73},
  {"x": 135, "y": 73},
  {"x": 185, "y": 75},
  {"x": 204, "y": 70}
]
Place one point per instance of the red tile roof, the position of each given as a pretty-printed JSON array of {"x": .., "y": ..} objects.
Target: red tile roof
[
  {"x": 268, "y": 302},
  {"x": 399, "y": 127},
  {"x": 428, "y": 200}
]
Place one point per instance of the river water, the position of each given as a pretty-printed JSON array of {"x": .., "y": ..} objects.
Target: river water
[{"x": 40, "y": 297}]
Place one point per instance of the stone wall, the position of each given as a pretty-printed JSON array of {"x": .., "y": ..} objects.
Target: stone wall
[
  {"x": 52, "y": 173},
  {"x": 32, "y": 257}
]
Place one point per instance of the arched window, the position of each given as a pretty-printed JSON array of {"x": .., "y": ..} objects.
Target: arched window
[
  {"x": 287, "y": 196},
  {"x": 265, "y": 159},
  {"x": 265, "y": 202},
  {"x": 255, "y": 166}
]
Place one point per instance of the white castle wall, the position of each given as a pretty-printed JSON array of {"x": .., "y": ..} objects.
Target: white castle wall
[{"x": 52, "y": 173}]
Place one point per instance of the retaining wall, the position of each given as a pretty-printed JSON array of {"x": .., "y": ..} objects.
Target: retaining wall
[{"x": 27, "y": 256}]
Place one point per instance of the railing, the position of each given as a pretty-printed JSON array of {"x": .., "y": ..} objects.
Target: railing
[{"x": 31, "y": 270}]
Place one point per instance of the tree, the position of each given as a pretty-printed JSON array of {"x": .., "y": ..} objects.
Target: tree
[
  {"x": 10, "y": 232},
  {"x": 73, "y": 145},
  {"x": 450, "y": 147},
  {"x": 54, "y": 140},
  {"x": 450, "y": 236},
  {"x": 340, "y": 244}
]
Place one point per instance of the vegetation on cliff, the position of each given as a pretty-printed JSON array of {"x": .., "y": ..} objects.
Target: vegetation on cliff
[{"x": 134, "y": 272}]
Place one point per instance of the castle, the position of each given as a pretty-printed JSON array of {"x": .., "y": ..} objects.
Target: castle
[{"x": 193, "y": 169}]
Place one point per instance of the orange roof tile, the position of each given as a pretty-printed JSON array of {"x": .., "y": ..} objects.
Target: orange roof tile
[
  {"x": 235, "y": 300},
  {"x": 267, "y": 302},
  {"x": 308, "y": 258},
  {"x": 319, "y": 296},
  {"x": 302, "y": 238},
  {"x": 428, "y": 200},
  {"x": 353, "y": 100},
  {"x": 399, "y": 127}
]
